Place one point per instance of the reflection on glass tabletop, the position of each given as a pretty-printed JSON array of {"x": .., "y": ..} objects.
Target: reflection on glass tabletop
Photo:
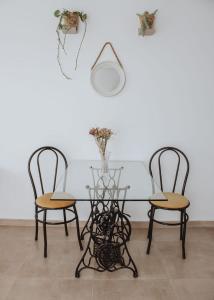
[{"x": 84, "y": 175}]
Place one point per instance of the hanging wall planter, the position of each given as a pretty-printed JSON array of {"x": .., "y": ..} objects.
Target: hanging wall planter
[
  {"x": 147, "y": 23},
  {"x": 68, "y": 24}
]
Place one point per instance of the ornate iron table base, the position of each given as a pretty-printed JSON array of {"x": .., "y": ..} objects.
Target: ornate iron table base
[{"x": 106, "y": 250}]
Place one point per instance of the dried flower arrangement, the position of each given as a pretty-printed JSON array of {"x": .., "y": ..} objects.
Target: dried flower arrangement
[
  {"x": 146, "y": 23},
  {"x": 101, "y": 135},
  {"x": 68, "y": 24}
]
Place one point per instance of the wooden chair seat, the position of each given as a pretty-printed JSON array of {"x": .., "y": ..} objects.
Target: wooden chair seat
[
  {"x": 45, "y": 202},
  {"x": 175, "y": 202}
]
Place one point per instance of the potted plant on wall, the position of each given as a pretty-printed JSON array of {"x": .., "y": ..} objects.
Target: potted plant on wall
[
  {"x": 146, "y": 23},
  {"x": 68, "y": 24}
]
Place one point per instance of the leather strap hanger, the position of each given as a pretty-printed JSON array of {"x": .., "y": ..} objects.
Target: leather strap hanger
[{"x": 98, "y": 57}]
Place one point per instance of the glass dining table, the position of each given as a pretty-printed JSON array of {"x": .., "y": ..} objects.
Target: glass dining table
[{"x": 107, "y": 189}]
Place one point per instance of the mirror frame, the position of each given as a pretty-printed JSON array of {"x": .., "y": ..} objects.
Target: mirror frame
[{"x": 119, "y": 70}]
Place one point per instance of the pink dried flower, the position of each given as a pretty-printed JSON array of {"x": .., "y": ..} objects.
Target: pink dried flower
[
  {"x": 101, "y": 135},
  {"x": 104, "y": 133}
]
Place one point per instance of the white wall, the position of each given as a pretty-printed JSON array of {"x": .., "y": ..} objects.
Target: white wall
[{"x": 168, "y": 98}]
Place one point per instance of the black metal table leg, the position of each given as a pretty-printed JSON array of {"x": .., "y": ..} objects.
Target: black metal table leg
[
  {"x": 106, "y": 249},
  {"x": 86, "y": 228}
]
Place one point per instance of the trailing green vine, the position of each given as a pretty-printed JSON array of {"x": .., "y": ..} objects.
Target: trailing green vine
[{"x": 68, "y": 23}]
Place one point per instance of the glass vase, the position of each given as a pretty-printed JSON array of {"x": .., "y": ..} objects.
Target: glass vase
[{"x": 104, "y": 162}]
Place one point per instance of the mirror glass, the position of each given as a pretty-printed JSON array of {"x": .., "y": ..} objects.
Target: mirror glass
[{"x": 108, "y": 78}]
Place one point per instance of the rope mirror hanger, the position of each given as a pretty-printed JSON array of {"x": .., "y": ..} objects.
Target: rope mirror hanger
[{"x": 108, "y": 77}]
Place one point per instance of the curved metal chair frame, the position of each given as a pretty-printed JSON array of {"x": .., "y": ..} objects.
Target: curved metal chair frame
[
  {"x": 38, "y": 209},
  {"x": 183, "y": 215}
]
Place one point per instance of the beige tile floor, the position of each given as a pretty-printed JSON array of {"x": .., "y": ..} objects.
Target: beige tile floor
[{"x": 163, "y": 275}]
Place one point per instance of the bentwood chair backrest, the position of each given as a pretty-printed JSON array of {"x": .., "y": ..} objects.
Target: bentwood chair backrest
[
  {"x": 38, "y": 158},
  {"x": 161, "y": 156}
]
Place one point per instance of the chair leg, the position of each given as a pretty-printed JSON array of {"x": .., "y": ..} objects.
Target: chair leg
[
  {"x": 150, "y": 223},
  {"x": 150, "y": 229},
  {"x": 36, "y": 223},
  {"x": 181, "y": 226},
  {"x": 184, "y": 235},
  {"x": 148, "y": 233},
  {"x": 45, "y": 232},
  {"x": 65, "y": 224},
  {"x": 78, "y": 228}
]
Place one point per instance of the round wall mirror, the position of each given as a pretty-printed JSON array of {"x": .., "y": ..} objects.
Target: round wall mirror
[{"x": 108, "y": 78}]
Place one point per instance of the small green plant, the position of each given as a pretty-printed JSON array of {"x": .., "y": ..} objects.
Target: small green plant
[
  {"x": 68, "y": 24},
  {"x": 146, "y": 23}
]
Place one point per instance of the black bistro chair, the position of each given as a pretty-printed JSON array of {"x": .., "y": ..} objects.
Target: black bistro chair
[
  {"x": 176, "y": 201},
  {"x": 43, "y": 204}
]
